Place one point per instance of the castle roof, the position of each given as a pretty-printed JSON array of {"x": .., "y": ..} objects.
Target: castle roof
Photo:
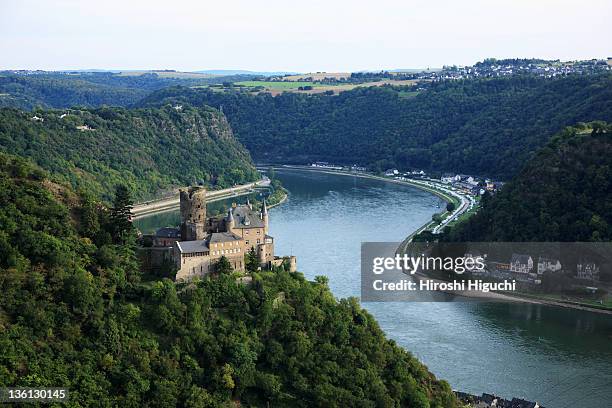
[
  {"x": 245, "y": 217},
  {"x": 203, "y": 245},
  {"x": 187, "y": 247},
  {"x": 223, "y": 237}
]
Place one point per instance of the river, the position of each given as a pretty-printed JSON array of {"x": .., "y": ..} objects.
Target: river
[{"x": 559, "y": 357}]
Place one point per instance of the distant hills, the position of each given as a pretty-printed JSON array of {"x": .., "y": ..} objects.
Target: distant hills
[
  {"x": 225, "y": 72},
  {"x": 38, "y": 89},
  {"x": 489, "y": 127},
  {"x": 484, "y": 126},
  {"x": 149, "y": 150}
]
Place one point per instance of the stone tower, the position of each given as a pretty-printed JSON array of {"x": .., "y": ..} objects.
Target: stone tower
[{"x": 193, "y": 213}]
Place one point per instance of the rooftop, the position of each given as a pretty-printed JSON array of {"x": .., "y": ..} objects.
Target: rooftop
[
  {"x": 223, "y": 237},
  {"x": 245, "y": 217},
  {"x": 187, "y": 247}
]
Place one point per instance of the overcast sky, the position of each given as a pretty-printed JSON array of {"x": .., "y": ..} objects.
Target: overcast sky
[{"x": 303, "y": 36}]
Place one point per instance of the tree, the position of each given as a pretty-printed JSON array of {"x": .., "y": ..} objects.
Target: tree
[
  {"x": 121, "y": 215},
  {"x": 251, "y": 261},
  {"x": 223, "y": 266},
  {"x": 450, "y": 207},
  {"x": 89, "y": 222}
]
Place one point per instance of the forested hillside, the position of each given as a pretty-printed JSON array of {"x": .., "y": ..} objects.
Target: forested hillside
[
  {"x": 564, "y": 193},
  {"x": 85, "y": 89},
  {"x": 489, "y": 127},
  {"x": 74, "y": 313},
  {"x": 150, "y": 150}
]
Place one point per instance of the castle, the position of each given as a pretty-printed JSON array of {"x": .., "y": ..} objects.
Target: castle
[{"x": 199, "y": 242}]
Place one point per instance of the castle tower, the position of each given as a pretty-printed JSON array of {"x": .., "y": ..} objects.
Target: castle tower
[
  {"x": 193, "y": 213},
  {"x": 264, "y": 216}
]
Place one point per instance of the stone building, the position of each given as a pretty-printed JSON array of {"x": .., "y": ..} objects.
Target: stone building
[{"x": 199, "y": 242}]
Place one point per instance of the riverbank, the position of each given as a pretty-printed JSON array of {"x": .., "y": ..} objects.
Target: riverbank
[
  {"x": 281, "y": 201},
  {"x": 513, "y": 297}
]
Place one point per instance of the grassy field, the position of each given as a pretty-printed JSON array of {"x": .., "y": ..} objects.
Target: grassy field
[
  {"x": 318, "y": 76},
  {"x": 277, "y": 87}
]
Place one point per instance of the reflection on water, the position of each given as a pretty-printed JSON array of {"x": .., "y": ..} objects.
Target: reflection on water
[{"x": 560, "y": 357}]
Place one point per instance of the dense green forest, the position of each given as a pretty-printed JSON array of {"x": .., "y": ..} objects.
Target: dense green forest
[
  {"x": 74, "y": 313},
  {"x": 564, "y": 193},
  {"x": 150, "y": 150},
  {"x": 488, "y": 127},
  {"x": 85, "y": 89}
]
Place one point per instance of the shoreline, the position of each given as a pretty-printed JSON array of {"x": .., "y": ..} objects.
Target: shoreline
[
  {"x": 512, "y": 298},
  {"x": 360, "y": 175},
  {"x": 282, "y": 200}
]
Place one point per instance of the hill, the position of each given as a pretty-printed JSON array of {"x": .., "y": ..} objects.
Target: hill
[
  {"x": 39, "y": 89},
  {"x": 564, "y": 193},
  {"x": 149, "y": 150},
  {"x": 483, "y": 126},
  {"x": 74, "y": 313}
]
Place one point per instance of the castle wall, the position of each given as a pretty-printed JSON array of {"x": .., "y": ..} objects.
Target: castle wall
[
  {"x": 190, "y": 267},
  {"x": 266, "y": 253},
  {"x": 251, "y": 236}
]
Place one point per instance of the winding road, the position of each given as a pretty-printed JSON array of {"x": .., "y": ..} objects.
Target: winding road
[{"x": 171, "y": 203}]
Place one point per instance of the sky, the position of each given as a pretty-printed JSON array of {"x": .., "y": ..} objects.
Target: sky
[{"x": 305, "y": 36}]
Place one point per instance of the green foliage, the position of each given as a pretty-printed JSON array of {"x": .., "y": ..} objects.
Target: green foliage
[
  {"x": 86, "y": 89},
  {"x": 251, "y": 261},
  {"x": 450, "y": 207},
  {"x": 121, "y": 214},
  {"x": 148, "y": 150},
  {"x": 278, "y": 193},
  {"x": 563, "y": 194},
  {"x": 223, "y": 266},
  {"x": 72, "y": 313},
  {"x": 489, "y": 126}
]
